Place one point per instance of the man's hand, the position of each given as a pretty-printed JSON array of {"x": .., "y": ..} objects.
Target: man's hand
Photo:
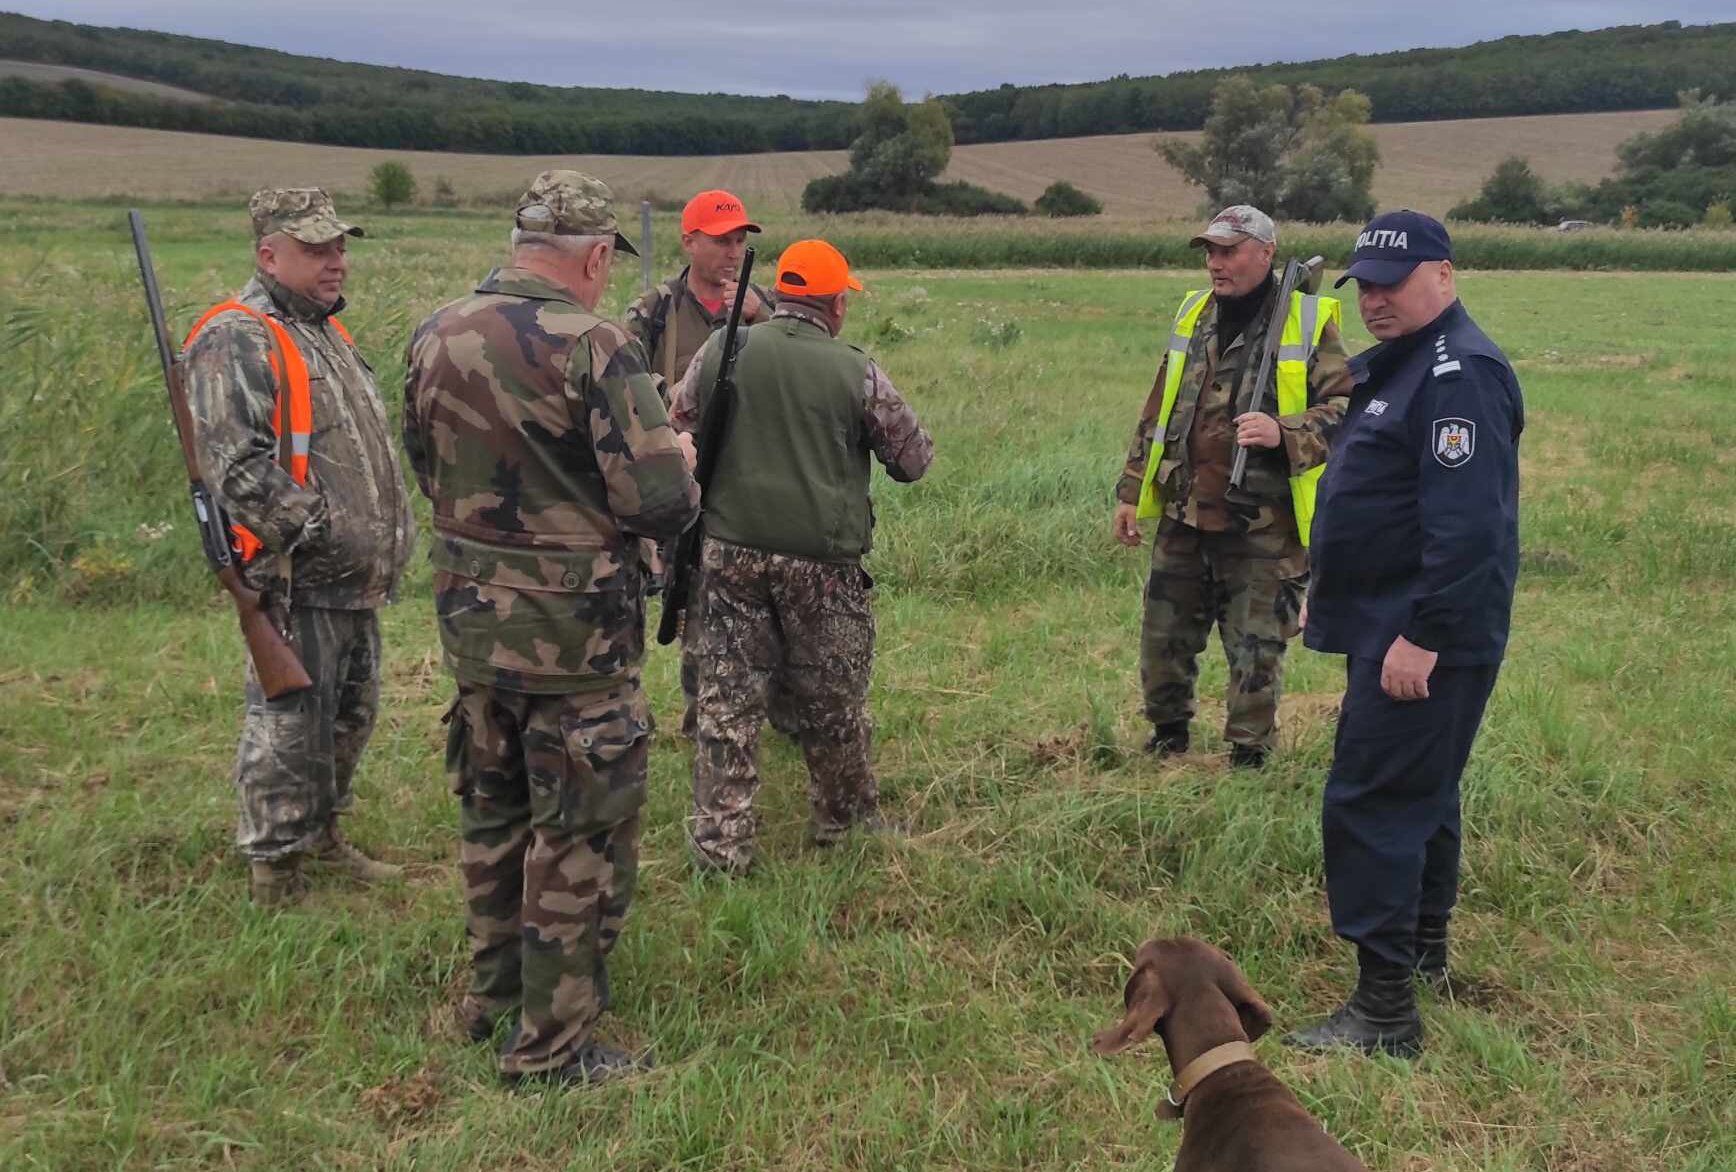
[
  {"x": 1126, "y": 525},
  {"x": 1404, "y": 673},
  {"x": 1255, "y": 429},
  {"x": 752, "y": 307},
  {"x": 688, "y": 451},
  {"x": 1302, "y": 616}
]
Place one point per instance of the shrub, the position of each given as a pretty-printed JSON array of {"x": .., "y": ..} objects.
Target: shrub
[
  {"x": 1061, "y": 198},
  {"x": 445, "y": 195},
  {"x": 1717, "y": 215},
  {"x": 1513, "y": 194},
  {"x": 965, "y": 199},
  {"x": 391, "y": 184},
  {"x": 894, "y": 162}
]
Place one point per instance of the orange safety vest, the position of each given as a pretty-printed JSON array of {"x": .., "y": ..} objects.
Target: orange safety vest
[{"x": 292, "y": 414}]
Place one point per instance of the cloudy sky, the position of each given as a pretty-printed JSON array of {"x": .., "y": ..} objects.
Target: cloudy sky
[{"x": 832, "y": 48}]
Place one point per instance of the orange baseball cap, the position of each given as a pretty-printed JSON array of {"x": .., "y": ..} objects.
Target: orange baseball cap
[
  {"x": 716, "y": 213},
  {"x": 813, "y": 268}
]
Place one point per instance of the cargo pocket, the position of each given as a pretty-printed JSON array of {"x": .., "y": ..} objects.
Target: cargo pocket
[
  {"x": 608, "y": 747},
  {"x": 457, "y": 746}
]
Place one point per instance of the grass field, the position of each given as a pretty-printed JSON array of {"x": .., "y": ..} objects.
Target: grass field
[
  {"x": 1426, "y": 165},
  {"x": 913, "y": 1003}
]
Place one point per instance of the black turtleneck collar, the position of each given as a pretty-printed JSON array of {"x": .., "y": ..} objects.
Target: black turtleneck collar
[{"x": 1234, "y": 313}]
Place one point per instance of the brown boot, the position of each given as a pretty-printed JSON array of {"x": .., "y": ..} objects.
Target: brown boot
[
  {"x": 277, "y": 882},
  {"x": 335, "y": 851}
]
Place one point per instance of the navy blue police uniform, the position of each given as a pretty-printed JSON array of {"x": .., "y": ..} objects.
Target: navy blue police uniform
[{"x": 1416, "y": 534}]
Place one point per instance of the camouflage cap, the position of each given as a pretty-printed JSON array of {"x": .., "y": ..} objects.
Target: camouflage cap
[
  {"x": 571, "y": 203},
  {"x": 1236, "y": 223},
  {"x": 305, "y": 213}
]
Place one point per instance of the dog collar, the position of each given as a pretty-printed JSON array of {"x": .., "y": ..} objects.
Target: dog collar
[{"x": 1200, "y": 1069}]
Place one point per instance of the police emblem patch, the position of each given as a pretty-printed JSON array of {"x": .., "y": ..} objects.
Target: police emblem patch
[{"x": 1455, "y": 441}]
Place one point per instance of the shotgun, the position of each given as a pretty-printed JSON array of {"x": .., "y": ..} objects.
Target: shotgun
[
  {"x": 713, "y": 427},
  {"x": 275, "y": 662},
  {"x": 1299, "y": 276}
]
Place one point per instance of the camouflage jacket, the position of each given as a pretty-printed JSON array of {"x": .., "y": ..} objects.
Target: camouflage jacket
[
  {"x": 349, "y": 532},
  {"x": 894, "y": 434},
  {"x": 535, "y": 430},
  {"x": 1199, "y": 443},
  {"x": 672, "y": 325}
]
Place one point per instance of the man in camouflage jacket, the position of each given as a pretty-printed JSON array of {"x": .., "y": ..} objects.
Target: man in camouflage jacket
[
  {"x": 334, "y": 548},
  {"x": 782, "y": 593},
  {"x": 538, "y": 434},
  {"x": 674, "y": 320},
  {"x": 1238, "y": 563}
]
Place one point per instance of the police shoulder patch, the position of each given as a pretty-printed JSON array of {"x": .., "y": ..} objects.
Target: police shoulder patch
[{"x": 1455, "y": 441}]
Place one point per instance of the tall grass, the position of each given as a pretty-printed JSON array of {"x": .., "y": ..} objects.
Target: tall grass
[{"x": 908, "y": 1003}]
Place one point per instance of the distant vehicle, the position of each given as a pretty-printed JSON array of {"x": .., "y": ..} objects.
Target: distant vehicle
[{"x": 1572, "y": 225}]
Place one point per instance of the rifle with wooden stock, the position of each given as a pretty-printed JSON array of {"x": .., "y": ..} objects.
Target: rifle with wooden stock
[
  {"x": 713, "y": 427},
  {"x": 1300, "y": 276},
  {"x": 275, "y": 662}
]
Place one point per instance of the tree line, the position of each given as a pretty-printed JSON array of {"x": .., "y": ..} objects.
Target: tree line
[{"x": 269, "y": 94}]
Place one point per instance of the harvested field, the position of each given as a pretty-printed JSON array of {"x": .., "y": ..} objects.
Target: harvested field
[{"x": 1427, "y": 165}]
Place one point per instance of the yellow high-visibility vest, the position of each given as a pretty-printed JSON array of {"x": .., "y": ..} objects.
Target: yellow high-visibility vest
[{"x": 1303, "y": 326}]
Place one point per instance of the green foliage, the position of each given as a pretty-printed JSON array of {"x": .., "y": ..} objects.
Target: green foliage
[
  {"x": 1061, "y": 198},
  {"x": 966, "y": 199},
  {"x": 268, "y": 94},
  {"x": 390, "y": 184},
  {"x": 1629, "y": 68},
  {"x": 1717, "y": 216},
  {"x": 1672, "y": 176},
  {"x": 895, "y": 162},
  {"x": 445, "y": 195},
  {"x": 1297, "y": 155},
  {"x": 1512, "y": 194}
]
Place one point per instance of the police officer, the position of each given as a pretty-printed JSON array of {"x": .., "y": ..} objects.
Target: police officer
[
  {"x": 544, "y": 448},
  {"x": 782, "y": 593},
  {"x": 326, "y": 528},
  {"x": 1236, "y": 560},
  {"x": 1416, "y": 548}
]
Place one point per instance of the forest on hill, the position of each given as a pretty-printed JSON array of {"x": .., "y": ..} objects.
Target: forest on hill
[{"x": 265, "y": 93}]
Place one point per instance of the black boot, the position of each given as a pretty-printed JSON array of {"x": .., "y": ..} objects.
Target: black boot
[
  {"x": 1247, "y": 757},
  {"x": 1431, "y": 966},
  {"x": 1167, "y": 740},
  {"x": 1380, "y": 1017}
]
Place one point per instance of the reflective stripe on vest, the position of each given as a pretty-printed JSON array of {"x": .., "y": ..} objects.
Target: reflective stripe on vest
[
  {"x": 292, "y": 412},
  {"x": 1303, "y": 326}
]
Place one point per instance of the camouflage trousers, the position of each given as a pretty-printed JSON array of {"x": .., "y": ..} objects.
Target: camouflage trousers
[
  {"x": 766, "y": 616},
  {"x": 550, "y": 789},
  {"x": 1250, "y": 586},
  {"x": 780, "y": 708},
  {"x": 297, "y": 757}
]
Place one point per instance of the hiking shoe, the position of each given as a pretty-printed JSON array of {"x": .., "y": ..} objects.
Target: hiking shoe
[
  {"x": 478, "y": 1019},
  {"x": 335, "y": 851},
  {"x": 592, "y": 1063},
  {"x": 276, "y": 882},
  {"x": 1167, "y": 740},
  {"x": 1248, "y": 757}
]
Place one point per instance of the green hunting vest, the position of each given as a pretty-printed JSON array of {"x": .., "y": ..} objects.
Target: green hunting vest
[
  {"x": 792, "y": 477},
  {"x": 1304, "y": 322}
]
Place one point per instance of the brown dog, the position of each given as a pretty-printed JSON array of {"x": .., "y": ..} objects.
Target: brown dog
[{"x": 1237, "y": 1116}]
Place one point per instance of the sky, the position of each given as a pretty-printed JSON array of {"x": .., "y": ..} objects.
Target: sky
[{"x": 832, "y": 49}]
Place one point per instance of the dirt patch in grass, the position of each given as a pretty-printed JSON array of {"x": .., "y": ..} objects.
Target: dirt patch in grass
[{"x": 399, "y": 1102}]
